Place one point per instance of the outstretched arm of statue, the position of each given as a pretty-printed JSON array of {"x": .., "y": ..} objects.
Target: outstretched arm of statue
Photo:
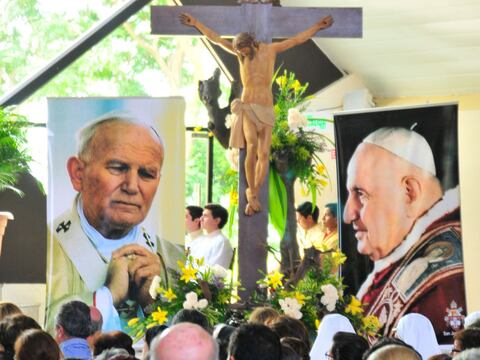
[
  {"x": 189, "y": 20},
  {"x": 303, "y": 36}
]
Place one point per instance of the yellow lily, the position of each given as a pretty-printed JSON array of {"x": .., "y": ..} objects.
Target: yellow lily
[
  {"x": 169, "y": 295},
  {"x": 355, "y": 306},
  {"x": 160, "y": 316},
  {"x": 274, "y": 280},
  {"x": 188, "y": 273},
  {"x": 338, "y": 258},
  {"x": 300, "y": 297},
  {"x": 133, "y": 321}
]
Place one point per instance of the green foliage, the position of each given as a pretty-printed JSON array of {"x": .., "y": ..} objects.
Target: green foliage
[
  {"x": 318, "y": 293},
  {"x": 213, "y": 291},
  {"x": 14, "y": 157},
  {"x": 292, "y": 145},
  {"x": 277, "y": 202}
]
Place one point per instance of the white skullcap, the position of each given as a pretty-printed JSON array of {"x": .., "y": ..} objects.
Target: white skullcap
[
  {"x": 471, "y": 318},
  {"x": 406, "y": 144}
]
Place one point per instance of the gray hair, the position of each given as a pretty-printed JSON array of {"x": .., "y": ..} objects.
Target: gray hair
[
  {"x": 109, "y": 353},
  {"x": 74, "y": 318},
  {"x": 88, "y": 132},
  {"x": 470, "y": 354}
]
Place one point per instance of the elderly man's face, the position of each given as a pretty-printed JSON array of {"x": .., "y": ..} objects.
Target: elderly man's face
[
  {"x": 376, "y": 204},
  {"x": 120, "y": 177}
]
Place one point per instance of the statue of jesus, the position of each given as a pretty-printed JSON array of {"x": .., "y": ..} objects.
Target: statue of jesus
[{"x": 253, "y": 115}]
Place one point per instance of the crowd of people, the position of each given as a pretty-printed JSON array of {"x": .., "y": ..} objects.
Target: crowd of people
[{"x": 266, "y": 335}]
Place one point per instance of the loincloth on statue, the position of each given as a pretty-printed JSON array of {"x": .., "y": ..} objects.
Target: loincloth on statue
[{"x": 260, "y": 115}]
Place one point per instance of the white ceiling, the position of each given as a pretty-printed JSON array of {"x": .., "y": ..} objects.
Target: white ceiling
[{"x": 410, "y": 47}]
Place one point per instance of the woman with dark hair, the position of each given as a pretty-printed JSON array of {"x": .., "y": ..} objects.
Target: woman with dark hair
[
  {"x": 113, "y": 339},
  {"x": 286, "y": 326},
  {"x": 35, "y": 344},
  {"x": 347, "y": 346},
  {"x": 297, "y": 345},
  {"x": 222, "y": 334},
  {"x": 8, "y": 308},
  {"x": 11, "y": 328}
]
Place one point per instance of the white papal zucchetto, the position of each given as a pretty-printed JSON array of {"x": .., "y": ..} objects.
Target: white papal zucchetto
[{"x": 406, "y": 144}]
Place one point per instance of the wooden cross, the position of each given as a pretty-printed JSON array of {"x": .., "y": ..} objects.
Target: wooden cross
[{"x": 264, "y": 22}]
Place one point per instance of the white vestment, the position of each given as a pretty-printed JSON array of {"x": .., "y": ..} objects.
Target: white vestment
[{"x": 215, "y": 248}]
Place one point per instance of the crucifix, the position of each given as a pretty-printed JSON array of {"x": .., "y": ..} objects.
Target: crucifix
[{"x": 255, "y": 118}]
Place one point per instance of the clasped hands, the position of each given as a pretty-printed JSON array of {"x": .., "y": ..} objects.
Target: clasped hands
[{"x": 130, "y": 273}]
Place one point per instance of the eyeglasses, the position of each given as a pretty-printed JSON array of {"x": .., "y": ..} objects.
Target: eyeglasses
[{"x": 328, "y": 355}]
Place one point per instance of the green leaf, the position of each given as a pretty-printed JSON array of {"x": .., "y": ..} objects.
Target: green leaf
[{"x": 277, "y": 202}]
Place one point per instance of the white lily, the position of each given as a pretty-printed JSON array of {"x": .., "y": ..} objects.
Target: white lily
[{"x": 192, "y": 303}]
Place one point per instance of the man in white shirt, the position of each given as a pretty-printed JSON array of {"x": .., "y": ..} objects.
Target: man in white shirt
[
  {"x": 213, "y": 247},
  {"x": 193, "y": 215}
]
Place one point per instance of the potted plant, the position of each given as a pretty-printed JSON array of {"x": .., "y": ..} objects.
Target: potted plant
[{"x": 14, "y": 157}]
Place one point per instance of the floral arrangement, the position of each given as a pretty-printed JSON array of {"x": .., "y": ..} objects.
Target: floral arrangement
[
  {"x": 209, "y": 290},
  {"x": 294, "y": 152},
  {"x": 291, "y": 142},
  {"x": 319, "y": 293}
]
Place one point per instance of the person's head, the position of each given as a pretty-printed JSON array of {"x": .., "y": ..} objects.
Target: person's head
[
  {"x": 114, "y": 354},
  {"x": 254, "y": 342},
  {"x": 8, "y": 308},
  {"x": 245, "y": 45},
  {"x": 35, "y": 344},
  {"x": 472, "y": 319},
  {"x": 391, "y": 182},
  {"x": 329, "y": 217},
  {"x": 150, "y": 334},
  {"x": 417, "y": 330},
  {"x": 307, "y": 215},
  {"x": 192, "y": 316},
  {"x": 12, "y": 326},
  {"x": 73, "y": 321},
  {"x": 394, "y": 352},
  {"x": 348, "y": 346},
  {"x": 184, "y": 341},
  {"x": 440, "y": 357},
  {"x": 214, "y": 217},
  {"x": 97, "y": 319},
  {"x": 222, "y": 334},
  {"x": 470, "y": 354},
  {"x": 193, "y": 215},
  {"x": 286, "y": 326},
  {"x": 263, "y": 315},
  {"x": 117, "y": 172},
  {"x": 288, "y": 353},
  {"x": 465, "y": 339},
  {"x": 113, "y": 339},
  {"x": 387, "y": 341},
  {"x": 299, "y": 346},
  {"x": 329, "y": 326}
]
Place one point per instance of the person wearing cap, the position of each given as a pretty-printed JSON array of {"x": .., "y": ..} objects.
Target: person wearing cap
[{"x": 409, "y": 228}]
